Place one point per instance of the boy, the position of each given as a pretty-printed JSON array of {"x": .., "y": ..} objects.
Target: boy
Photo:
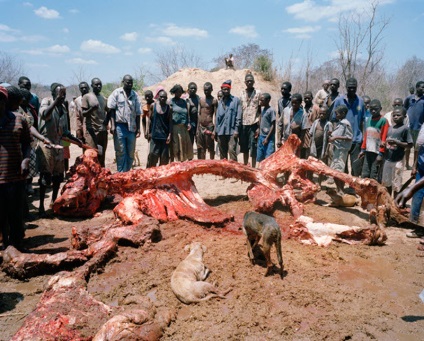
[
  {"x": 372, "y": 148},
  {"x": 341, "y": 138},
  {"x": 398, "y": 138},
  {"x": 266, "y": 141},
  {"x": 320, "y": 131},
  {"x": 311, "y": 112},
  {"x": 290, "y": 121}
]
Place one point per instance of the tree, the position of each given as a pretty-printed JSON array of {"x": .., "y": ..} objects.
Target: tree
[
  {"x": 409, "y": 74},
  {"x": 10, "y": 68},
  {"x": 175, "y": 58},
  {"x": 360, "y": 45}
]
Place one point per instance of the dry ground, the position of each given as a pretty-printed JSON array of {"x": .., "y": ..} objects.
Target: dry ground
[{"x": 342, "y": 292}]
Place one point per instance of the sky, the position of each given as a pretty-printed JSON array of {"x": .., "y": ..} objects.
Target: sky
[{"x": 61, "y": 41}]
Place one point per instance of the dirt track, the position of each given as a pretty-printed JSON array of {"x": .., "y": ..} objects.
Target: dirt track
[{"x": 342, "y": 292}]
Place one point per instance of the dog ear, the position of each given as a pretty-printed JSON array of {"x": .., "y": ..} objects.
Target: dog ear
[
  {"x": 204, "y": 248},
  {"x": 187, "y": 248}
]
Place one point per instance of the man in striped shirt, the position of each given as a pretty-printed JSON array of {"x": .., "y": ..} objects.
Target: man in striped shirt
[{"x": 14, "y": 166}]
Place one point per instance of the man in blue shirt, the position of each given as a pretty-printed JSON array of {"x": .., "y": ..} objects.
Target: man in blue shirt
[
  {"x": 125, "y": 112},
  {"x": 355, "y": 116},
  {"x": 228, "y": 121},
  {"x": 416, "y": 115}
]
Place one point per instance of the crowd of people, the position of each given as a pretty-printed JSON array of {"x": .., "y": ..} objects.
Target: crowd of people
[{"x": 345, "y": 131}]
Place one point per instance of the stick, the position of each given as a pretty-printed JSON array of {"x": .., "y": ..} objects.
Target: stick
[{"x": 12, "y": 314}]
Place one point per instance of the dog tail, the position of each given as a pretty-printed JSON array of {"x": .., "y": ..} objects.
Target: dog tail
[{"x": 215, "y": 295}]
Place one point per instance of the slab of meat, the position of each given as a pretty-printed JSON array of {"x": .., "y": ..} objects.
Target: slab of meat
[{"x": 168, "y": 192}]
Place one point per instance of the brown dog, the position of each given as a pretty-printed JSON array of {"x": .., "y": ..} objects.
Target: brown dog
[
  {"x": 345, "y": 200},
  {"x": 187, "y": 281},
  {"x": 257, "y": 225}
]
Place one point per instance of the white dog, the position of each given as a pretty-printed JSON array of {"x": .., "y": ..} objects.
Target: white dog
[{"x": 187, "y": 281}]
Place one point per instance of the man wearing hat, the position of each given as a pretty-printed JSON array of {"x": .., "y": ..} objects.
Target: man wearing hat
[
  {"x": 228, "y": 120},
  {"x": 15, "y": 147},
  {"x": 53, "y": 125}
]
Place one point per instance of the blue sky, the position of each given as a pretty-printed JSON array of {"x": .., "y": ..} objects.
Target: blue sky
[{"x": 57, "y": 40}]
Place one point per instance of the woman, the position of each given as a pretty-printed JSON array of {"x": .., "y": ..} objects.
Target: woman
[{"x": 182, "y": 148}]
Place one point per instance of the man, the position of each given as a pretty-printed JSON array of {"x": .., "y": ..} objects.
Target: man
[
  {"x": 355, "y": 116},
  {"x": 84, "y": 89},
  {"x": 322, "y": 94},
  {"x": 193, "y": 101},
  {"x": 205, "y": 127},
  {"x": 125, "y": 111},
  {"x": 25, "y": 83},
  {"x": 94, "y": 111},
  {"x": 229, "y": 62},
  {"x": 283, "y": 103},
  {"x": 14, "y": 164},
  {"x": 415, "y": 114},
  {"x": 227, "y": 122},
  {"x": 333, "y": 95},
  {"x": 251, "y": 112},
  {"x": 53, "y": 125}
]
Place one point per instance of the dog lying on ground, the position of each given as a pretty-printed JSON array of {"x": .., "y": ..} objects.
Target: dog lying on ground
[
  {"x": 187, "y": 281},
  {"x": 257, "y": 225},
  {"x": 345, "y": 200}
]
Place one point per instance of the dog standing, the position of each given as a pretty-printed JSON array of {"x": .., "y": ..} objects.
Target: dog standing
[
  {"x": 187, "y": 281},
  {"x": 257, "y": 225}
]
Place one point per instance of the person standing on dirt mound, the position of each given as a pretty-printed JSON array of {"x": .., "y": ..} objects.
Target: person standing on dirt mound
[
  {"x": 228, "y": 121},
  {"x": 125, "y": 113},
  {"x": 94, "y": 110},
  {"x": 251, "y": 112}
]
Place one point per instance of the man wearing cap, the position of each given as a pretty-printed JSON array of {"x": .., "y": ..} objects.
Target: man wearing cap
[
  {"x": 15, "y": 147},
  {"x": 125, "y": 113},
  {"x": 53, "y": 125},
  {"x": 227, "y": 122},
  {"x": 356, "y": 117}
]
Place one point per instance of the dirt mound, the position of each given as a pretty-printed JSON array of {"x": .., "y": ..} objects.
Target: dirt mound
[{"x": 200, "y": 77}]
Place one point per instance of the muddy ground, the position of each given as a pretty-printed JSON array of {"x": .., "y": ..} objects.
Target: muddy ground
[{"x": 341, "y": 292}]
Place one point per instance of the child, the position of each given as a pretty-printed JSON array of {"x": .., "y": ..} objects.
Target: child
[
  {"x": 398, "y": 138},
  {"x": 291, "y": 120},
  {"x": 372, "y": 148},
  {"x": 311, "y": 112},
  {"x": 341, "y": 138},
  {"x": 266, "y": 141},
  {"x": 320, "y": 132}
]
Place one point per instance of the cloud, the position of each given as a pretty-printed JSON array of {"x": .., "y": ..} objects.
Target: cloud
[
  {"x": 98, "y": 46},
  {"x": 74, "y": 11},
  {"x": 33, "y": 38},
  {"x": 65, "y": 30},
  {"x": 144, "y": 50},
  {"x": 7, "y": 28},
  {"x": 130, "y": 36},
  {"x": 309, "y": 10},
  {"x": 173, "y": 30},
  {"x": 303, "y": 32},
  {"x": 27, "y": 4},
  {"x": 160, "y": 40},
  {"x": 46, "y": 13},
  {"x": 81, "y": 61},
  {"x": 7, "y": 38},
  {"x": 57, "y": 49},
  {"x": 54, "y": 49},
  {"x": 248, "y": 31}
]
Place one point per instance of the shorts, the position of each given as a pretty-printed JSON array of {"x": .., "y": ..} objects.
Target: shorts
[
  {"x": 247, "y": 139},
  {"x": 204, "y": 138},
  {"x": 50, "y": 160},
  {"x": 392, "y": 174},
  {"x": 339, "y": 159},
  {"x": 264, "y": 151}
]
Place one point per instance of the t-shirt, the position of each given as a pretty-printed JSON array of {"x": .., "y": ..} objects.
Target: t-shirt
[
  {"x": 395, "y": 153},
  {"x": 343, "y": 128},
  {"x": 416, "y": 113},
  {"x": 267, "y": 118},
  {"x": 180, "y": 112},
  {"x": 95, "y": 120},
  {"x": 159, "y": 123},
  {"x": 375, "y": 134}
]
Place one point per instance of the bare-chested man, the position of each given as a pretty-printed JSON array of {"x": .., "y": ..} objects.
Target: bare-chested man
[{"x": 205, "y": 127}]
